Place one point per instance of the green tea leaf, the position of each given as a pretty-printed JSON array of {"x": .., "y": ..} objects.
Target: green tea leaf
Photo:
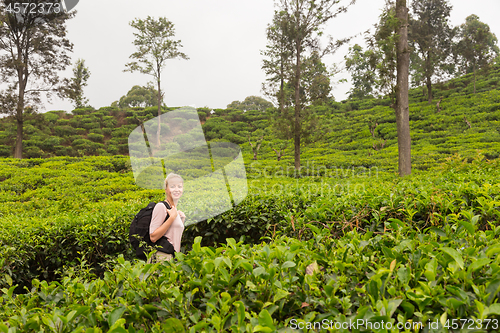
[
  {"x": 115, "y": 315},
  {"x": 494, "y": 309},
  {"x": 492, "y": 250},
  {"x": 280, "y": 293},
  {"x": 258, "y": 271},
  {"x": 468, "y": 226},
  {"x": 266, "y": 322},
  {"x": 8, "y": 279},
  {"x": 478, "y": 264},
  {"x": 288, "y": 264},
  {"x": 455, "y": 255}
]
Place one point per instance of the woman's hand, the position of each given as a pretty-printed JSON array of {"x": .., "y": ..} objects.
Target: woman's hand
[
  {"x": 172, "y": 212},
  {"x": 182, "y": 215}
]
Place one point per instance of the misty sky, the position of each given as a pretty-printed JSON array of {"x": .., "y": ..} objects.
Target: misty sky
[{"x": 223, "y": 39}]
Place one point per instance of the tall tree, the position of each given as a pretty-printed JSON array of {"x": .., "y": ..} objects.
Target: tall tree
[
  {"x": 155, "y": 45},
  {"x": 33, "y": 48},
  {"x": 402, "y": 104},
  {"x": 74, "y": 88},
  {"x": 430, "y": 37},
  {"x": 476, "y": 47},
  {"x": 300, "y": 23}
]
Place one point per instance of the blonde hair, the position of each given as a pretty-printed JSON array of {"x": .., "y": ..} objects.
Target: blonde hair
[{"x": 170, "y": 176}]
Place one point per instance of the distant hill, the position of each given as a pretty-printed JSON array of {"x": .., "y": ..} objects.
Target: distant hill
[{"x": 354, "y": 133}]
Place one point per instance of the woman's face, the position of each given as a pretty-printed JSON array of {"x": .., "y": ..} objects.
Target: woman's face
[{"x": 175, "y": 188}]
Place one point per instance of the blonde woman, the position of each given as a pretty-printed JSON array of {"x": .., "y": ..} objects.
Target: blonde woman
[{"x": 168, "y": 224}]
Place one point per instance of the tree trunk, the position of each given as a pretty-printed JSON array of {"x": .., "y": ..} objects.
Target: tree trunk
[
  {"x": 282, "y": 88},
  {"x": 18, "y": 152},
  {"x": 428, "y": 79},
  {"x": 297, "y": 126},
  {"x": 402, "y": 106},
  {"x": 158, "y": 132},
  {"x": 474, "y": 77}
]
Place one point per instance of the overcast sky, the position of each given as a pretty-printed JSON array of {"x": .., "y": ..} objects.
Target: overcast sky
[{"x": 223, "y": 39}]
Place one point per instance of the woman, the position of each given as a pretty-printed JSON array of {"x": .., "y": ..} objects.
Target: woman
[{"x": 173, "y": 226}]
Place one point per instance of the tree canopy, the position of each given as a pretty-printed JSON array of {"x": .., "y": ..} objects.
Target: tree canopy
[
  {"x": 251, "y": 103},
  {"x": 74, "y": 88},
  {"x": 153, "y": 39},
  {"x": 430, "y": 37},
  {"x": 139, "y": 96},
  {"x": 476, "y": 46}
]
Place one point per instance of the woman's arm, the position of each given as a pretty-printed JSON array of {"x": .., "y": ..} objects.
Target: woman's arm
[{"x": 156, "y": 232}]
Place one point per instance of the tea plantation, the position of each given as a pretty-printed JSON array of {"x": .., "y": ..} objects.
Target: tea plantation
[
  {"x": 380, "y": 248},
  {"x": 346, "y": 246}
]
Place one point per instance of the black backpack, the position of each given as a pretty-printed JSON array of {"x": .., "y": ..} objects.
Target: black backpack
[{"x": 139, "y": 232}]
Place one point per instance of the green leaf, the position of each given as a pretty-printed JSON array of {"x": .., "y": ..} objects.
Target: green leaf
[
  {"x": 492, "y": 250},
  {"x": 258, "y": 271},
  {"x": 225, "y": 274},
  {"x": 468, "y": 226},
  {"x": 4, "y": 328},
  {"x": 408, "y": 308},
  {"x": 455, "y": 255},
  {"x": 247, "y": 266},
  {"x": 478, "y": 264},
  {"x": 231, "y": 242},
  {"x": 227, "y": 261},
  {"x": 240, "y": 308},
  {"x": 288, "y": 264},
  {"x": 387, "y": 252},
  {"x": 118, "y": 326},
  {"x": 393, "y": 305},
  {"x": 115, "y": 315},
  {"x": 8, "y": 279},
  {"x": 280, "y": 294},
  {"x": 196, "y": 244},
  {"x": 266, "y": 322},
  {"x": 70, "y": 316},
  {"x": 81, "y": 309},
  {"x": 492, "y": 289},
  {"x": 260, "y": 328},
  {"x": 494, "y": 309},
  {"x": 173, "y": 325},
  {"x": 314, "y": 229}
]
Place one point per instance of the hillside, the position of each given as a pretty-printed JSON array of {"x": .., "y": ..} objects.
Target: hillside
[{"x": 354, "y": 133}]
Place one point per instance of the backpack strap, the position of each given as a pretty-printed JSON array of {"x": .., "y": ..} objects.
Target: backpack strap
[{"x": 168, "y": 207}]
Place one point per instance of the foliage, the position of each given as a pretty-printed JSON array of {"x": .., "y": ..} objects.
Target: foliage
[
  {"x": 33, "y": 49},
  {"x": 362, "y": 76},
  {"x": 295, "y": 30},
  {"x": 401, "y": 275},
  {"x": 477, "y": 46},
  {"x": 74, "y": 88},
  {"x": 251, "y": 103},
  {"x": 139, "y": 96},
  {"x": 430, "y": 37}
]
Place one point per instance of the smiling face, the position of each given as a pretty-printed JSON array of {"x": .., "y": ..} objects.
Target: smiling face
[{"x": 174, "y": 188}]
